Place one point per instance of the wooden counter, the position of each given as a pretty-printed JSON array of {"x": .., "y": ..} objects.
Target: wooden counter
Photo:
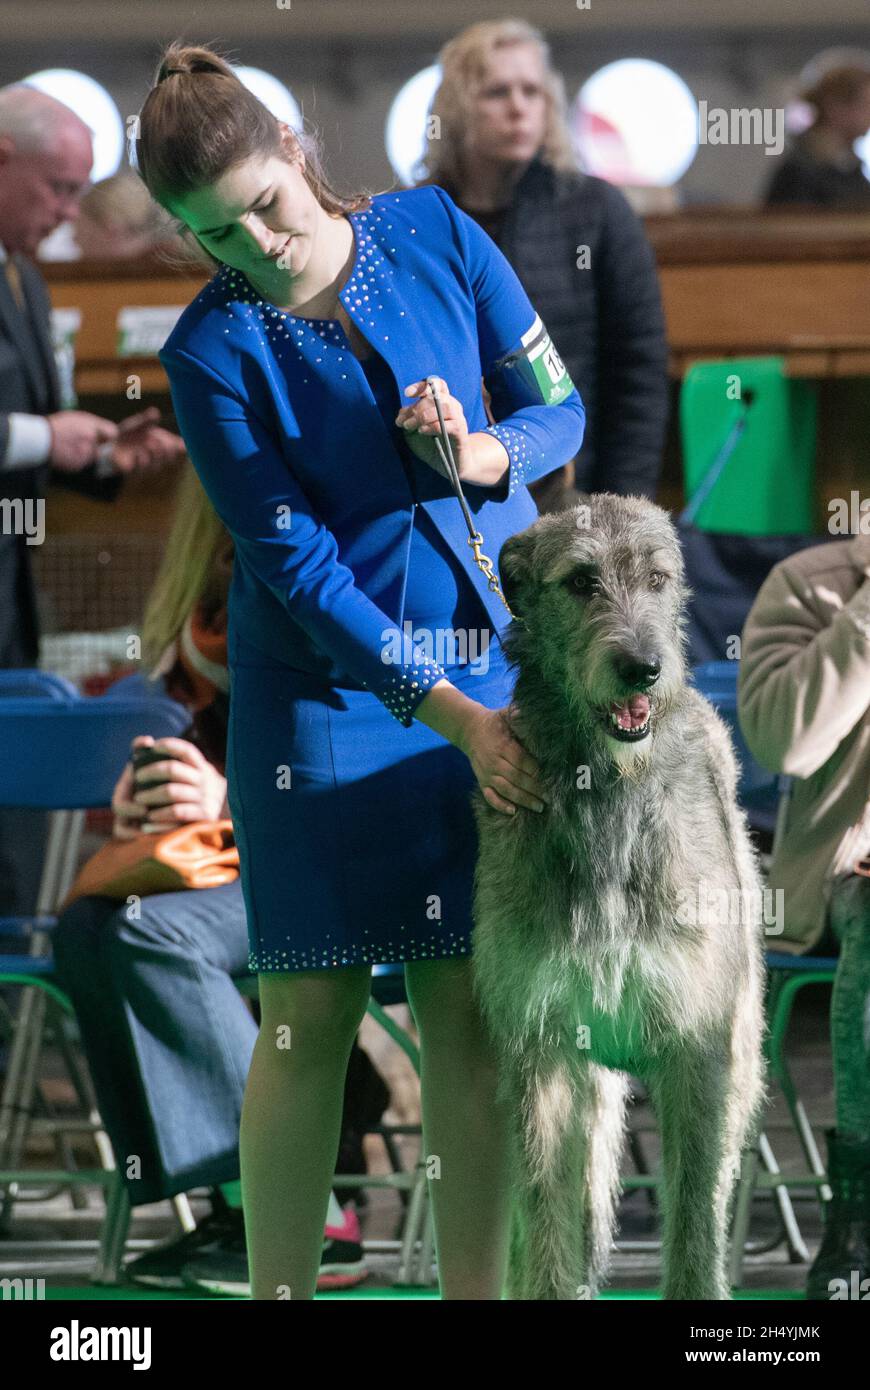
[
  {"x": 748, "y": 283},
  {"x": 735, "y": 283}
]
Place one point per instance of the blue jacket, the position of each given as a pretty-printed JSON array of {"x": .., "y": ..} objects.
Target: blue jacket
[{"x": 285, "y": 434}]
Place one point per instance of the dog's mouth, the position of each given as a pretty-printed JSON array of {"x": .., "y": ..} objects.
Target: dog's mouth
[{"x": 629, "y": 720}]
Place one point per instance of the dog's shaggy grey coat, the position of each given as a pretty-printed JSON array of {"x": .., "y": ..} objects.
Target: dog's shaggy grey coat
[{"x": 618, "y": 932}]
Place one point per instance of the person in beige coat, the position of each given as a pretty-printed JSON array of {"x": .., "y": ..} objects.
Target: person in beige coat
[{"x": 804, "y": 708}]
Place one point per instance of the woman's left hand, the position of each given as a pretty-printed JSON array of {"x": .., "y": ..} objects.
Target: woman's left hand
[{"x": 420, "y": 421}]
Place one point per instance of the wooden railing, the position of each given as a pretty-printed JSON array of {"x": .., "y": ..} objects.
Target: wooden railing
[{"x": 734, "y": 283}]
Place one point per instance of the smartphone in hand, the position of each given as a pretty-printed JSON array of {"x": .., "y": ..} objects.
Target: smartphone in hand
[{"x": 140, "y": 759}]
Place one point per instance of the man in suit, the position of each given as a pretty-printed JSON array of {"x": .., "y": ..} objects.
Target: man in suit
[{"x": 45, "y": 162}]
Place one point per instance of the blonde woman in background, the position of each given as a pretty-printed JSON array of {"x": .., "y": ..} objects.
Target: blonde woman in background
[{"x": 499, "y": 144}]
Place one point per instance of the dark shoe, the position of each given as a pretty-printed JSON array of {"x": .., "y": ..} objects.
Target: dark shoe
[
  {"x": 342, "y": 1263},
  {"x": 843, "y": 1261},
  {"x": 221, "y": 1270},
  {"x": 225, "y": 1270},
  {"x": 161, "y": 1268}
]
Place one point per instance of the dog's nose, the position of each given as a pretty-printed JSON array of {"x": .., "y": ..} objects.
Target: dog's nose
[{"x": 644, "y": 672}]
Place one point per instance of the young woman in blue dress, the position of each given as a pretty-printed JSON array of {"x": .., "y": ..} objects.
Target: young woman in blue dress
[{"x": 350, "y": 768}]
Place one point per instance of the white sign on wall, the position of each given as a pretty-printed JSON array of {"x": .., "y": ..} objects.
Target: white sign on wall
[
  {"x": 65, "y": 324},
  {"x": 143, "y": 331}
]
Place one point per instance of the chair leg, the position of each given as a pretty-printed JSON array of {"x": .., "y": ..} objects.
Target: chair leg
[
  {"x": 427, "y": 1241},
  {"x": 742, "y": 1211},
  {"x": 413, "y": 1228},
  {"x": 398, "y": 1034},
  {"x": 20, "y": 1087},
  {"x": 781, "y": 999},
  {"x": 798, "y": 1252},
  {"x": 113, "y": 1236},
  {"x": 802, "y": 1125},
  {"x": 185, "y": 1216},
  {"x": 66, "y": 1157}
]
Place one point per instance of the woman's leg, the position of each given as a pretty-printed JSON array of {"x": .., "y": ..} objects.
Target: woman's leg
[
  {"x": 172, "y": 968},
  {"x": 291, "y": 1121},
  {"x": 464, "y": 1129},
  {"x": 82, "y": 948}
]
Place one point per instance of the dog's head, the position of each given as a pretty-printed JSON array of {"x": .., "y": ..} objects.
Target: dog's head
[{"x": 599, "y": 593}]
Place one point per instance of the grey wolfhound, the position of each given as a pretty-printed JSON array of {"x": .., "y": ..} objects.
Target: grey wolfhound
[{"x": 597, "y": 955}]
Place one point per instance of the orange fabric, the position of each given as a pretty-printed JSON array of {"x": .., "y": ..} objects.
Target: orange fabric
[{"x": 201, "y": 854}]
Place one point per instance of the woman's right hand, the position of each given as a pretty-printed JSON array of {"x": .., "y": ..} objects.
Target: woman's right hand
[
  {"x": 196, "y": 791},
  {"x": 507, "y": 774}
]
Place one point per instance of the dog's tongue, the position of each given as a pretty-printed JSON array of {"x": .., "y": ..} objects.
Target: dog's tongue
[{"x": 632, "y": 713}]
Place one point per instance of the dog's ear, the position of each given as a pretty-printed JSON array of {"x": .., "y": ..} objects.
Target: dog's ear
[{"x": 514, "y": 567}]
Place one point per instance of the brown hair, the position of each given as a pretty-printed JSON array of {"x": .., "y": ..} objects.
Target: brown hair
[
  {"x": 463, "y": 62},
  {"x": 838, "y": 86},
  {"x": 199, "y": 120}
]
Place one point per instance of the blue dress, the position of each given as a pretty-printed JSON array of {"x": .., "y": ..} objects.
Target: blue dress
[
  {"x": 356, "y": 838},
  {"x": 377, "y": 815}
]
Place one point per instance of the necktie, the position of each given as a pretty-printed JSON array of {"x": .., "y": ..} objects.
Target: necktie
[{"x": 13, "y": 280}]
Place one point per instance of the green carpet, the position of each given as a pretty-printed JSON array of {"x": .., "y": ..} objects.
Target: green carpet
[{"x": 92, "y": 1292}]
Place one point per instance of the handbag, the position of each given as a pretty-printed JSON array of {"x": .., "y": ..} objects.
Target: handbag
[{"x": 202, "y": 854}]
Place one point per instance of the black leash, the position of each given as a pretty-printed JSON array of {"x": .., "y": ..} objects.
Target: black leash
[{"x": 475, "y": 539}]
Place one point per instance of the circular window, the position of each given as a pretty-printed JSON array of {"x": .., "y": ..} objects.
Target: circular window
[
  {"x": 272, "y": 92},
  {"x": 93, "y": 105},
  {"x": 635, "y": 122},
  {"x": 405, "y": 135}
]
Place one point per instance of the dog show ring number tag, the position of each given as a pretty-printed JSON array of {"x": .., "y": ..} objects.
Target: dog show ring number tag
[{"x": 539, "y": 366}]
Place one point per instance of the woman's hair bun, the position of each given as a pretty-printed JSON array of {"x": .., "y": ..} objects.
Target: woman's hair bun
[{"x": 186, "y": 60}]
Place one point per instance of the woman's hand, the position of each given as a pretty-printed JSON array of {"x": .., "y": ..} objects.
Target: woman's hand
[
  {"x": 193, "y": 790},
  {"x": 420, "y": 421},
  {"x": 141, "y": 443},
  {"x": 480, "y": 458},
  {"x": 508, "y": 776}
]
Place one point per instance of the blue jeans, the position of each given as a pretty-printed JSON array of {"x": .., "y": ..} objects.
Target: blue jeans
[{"x": 167, "y": 1036}]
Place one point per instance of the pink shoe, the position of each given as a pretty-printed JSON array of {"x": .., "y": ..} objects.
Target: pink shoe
[{"x": 342, "y": 1263}]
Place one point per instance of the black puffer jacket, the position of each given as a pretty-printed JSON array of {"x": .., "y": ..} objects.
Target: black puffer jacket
[{"x": 606, "y": 321}]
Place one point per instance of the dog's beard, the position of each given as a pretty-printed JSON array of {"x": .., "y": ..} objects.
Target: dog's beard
[{"x": 631, "y": 760}]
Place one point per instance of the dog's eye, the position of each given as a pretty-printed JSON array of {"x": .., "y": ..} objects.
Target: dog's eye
[
  {"x": 657, "y": 579},
  {"x": 584, "y": 583}
]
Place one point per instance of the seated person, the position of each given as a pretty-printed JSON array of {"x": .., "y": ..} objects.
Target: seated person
[
  {"x": 804, "y": 707},
  {"x": 821, "y": 168},
  {"x": 167, "y": 1036}
]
